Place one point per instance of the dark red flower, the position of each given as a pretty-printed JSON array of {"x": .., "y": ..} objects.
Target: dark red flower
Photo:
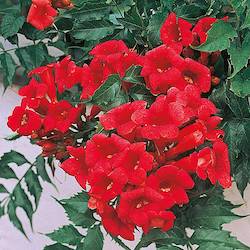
[
  {"x": 176, "y": 32},
  {"x": 63, "y": 4},
  {"x": 41, "y": 14},
  {"x": 105, "y": 183},
  {"x": 60, "y": 116},
  {"x": 171, "y": 182},
  {"x": 196, "y": 74},
  {"x": 119, "y": 118},
  {"x": 135, "y": 162},
  {"x": 134, "y": 205},
  {"x": 76, "y": 165},
  {"x": 67, "y": 74},
  {"x": 24, "y": 121},
  {"x": 115, "y": 226},
  {"x": 102, "y": 148},
  {"x": 160, "y": 69},
  {"x": 163, "y": 219}
]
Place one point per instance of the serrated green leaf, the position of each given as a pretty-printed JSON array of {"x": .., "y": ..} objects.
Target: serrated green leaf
[
  {"x": 78, "y": 202},
  {"x": 240, "y": 55},
  {"x": 12, "y": 137},
  {"x": 3, "y": 189},
  {"x": 20, "y": 199},
  {"x": 132, "y": 75},
  {"x": 6, "y": 172},
  {"x": 66, "y": 235},
  {"x": 13, "y": 157},
  {"x": 208, "y": 238},
  {"x": 93, "y": 239},
  {"x": 108, "y": 91},
  {"x": 79, "y": 219},
  {"x": 13, "y": 217},
  {"x": 41, "y": 169},
  {"x": 240, "y": 84},
  {"x": 218, "y": 37},
  {"x": 32, "y": 56},
  {"x": 33, "y": 185},
  {"x": 92, "y": 30},
  {"x": 11, "y": 24},
  {"x": 132, "y": 20},
  {"x": 9, "y": 68},
  {"x": 154, "y": 26},
  {"x": 246, "y": 23},
  {"x": 57, "y": 246},
  {"x": 90, "y": 11}
]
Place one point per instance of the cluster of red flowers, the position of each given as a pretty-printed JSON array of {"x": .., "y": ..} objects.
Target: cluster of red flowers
[
  {"x": 145, "y": 162},
  {"x": 43, "y": 12}
]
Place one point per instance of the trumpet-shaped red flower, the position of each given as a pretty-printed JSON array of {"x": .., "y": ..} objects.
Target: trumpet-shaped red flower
[
  {"x": 134, "y": 205},
  {"x": 172, "y": 183},
  {"x": 93, "y": 76},
  {"x": 163, "y": 219},
  {"x": 24, "y": 121},
  {"x": 189, "y": 138},
  {"x": 105, "y": 183},
  {"x": 176, "y": 32},
  {"x": 41, "y": 14},
  {"x": 115, "y": 226},
  {"x": 60, "y": 116},
  {"x": 161, "y": 120},
  {"x": 67, "y": 74},
  {"x": 46, "y": 76},
  {"x": 76, "y": 165},
  {"x": 119, "y": 118},
  {"x": 135, "y": 162},
  {"x": 214, "y": 163},
  {"x": 101, "y": 148},
  {"x": 160, "y": 69},
  {"x": 196, "y": 74}
]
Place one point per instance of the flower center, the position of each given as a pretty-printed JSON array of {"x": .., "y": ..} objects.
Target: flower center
[
  {"x": 188, "y": 79},
  {"x": 24, "y": 120}
]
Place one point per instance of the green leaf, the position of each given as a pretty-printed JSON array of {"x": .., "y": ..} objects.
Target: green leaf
[
  {"x": 32, "y": 56},
  {"x": 66, "y": 235},
  {"x": 13, "y": 217},
  {"x": 20, "y": 199},
  {"x": 33, "y": 185},
  {"x": 166, "y": 239},
  {"x": 41, "y": 168},
  {"x": 13, "y": 157},
  {"x": 6, "y": 172},
  {"x": 9, "y": 68},
  {"x": 93, "y": 239},
  {"x": 119, "y": 242},
  {"x": 240, "y": 84},
  {"x": 218, "y": 37},
  {"x": 108, "y": 91},
  {"x": 11, "y": 24},
  {"x": 3, "y": 189},
  {"x": 246, "y": 23},
  {"x": 210, "y": 212},
  {"x": 239, "y": 55},
  {"x": 12, "y": 137},
  {"x": 79, "y": 202},
  {"x": 132, "y": 20},
  {"x": 133, "y": 75},
  {"x": 57, "y": 246},
  {"x": 79, "y": 219},
  {"x": 210, "y": 238},
  {"x": 92, "y": 30},
  {"x": 90, "y": 11},
  {"x": 1, "y": 211},
  {"x": 154, "y": 26}
]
